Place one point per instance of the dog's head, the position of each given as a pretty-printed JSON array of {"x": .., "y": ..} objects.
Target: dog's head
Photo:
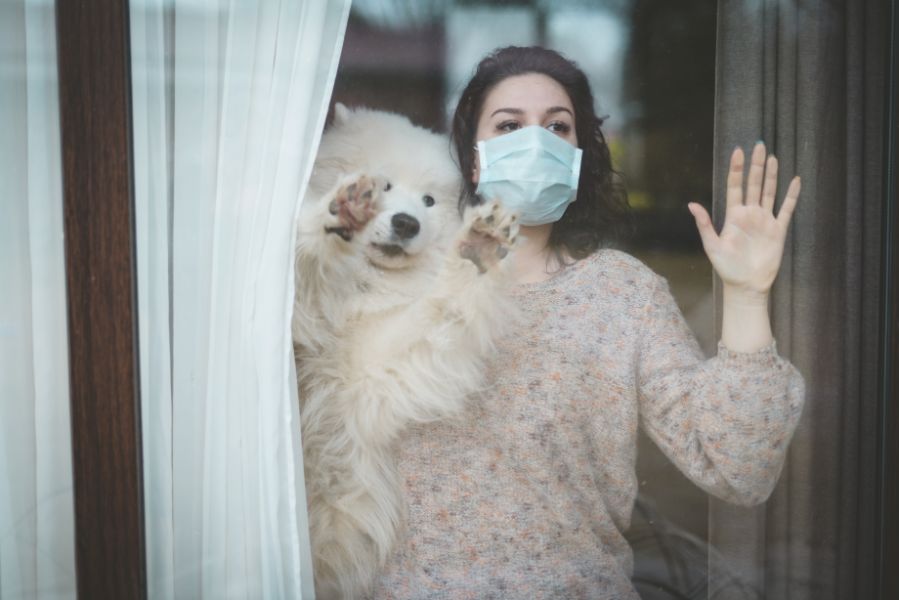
[{"x": 419, "y": 182}]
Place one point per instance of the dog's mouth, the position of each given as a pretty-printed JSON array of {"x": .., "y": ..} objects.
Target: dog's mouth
[{"x": 391, "y": 250}]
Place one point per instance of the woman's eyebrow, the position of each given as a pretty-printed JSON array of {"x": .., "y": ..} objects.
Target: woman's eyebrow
[
  {"x": 556, "y": 109},
  {"x": 514, "y": 111},
  {"x": 517, "y": 111}
]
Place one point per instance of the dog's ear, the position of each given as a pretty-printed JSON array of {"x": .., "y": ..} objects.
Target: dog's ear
[{"x": 341, "y": 113}]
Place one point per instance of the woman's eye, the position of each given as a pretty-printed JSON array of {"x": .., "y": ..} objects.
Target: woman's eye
[
  {"x": 559, "y": 127},
  {"x": 429, "y": 200},
  {"x": 508, "y": 126}
]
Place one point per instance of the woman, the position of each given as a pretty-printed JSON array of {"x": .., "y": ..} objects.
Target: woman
[{"x": 527, "y": 496}]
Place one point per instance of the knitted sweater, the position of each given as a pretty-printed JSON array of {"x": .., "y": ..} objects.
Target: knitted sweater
[{"x": 527, "y": 495}]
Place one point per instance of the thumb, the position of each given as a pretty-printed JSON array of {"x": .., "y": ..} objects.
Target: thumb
[{"x": 703, "y": 224}]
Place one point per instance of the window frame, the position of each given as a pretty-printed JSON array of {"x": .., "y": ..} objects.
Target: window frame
[{"x": 93, "y": 55}]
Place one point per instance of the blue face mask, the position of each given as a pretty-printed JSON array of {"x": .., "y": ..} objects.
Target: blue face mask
[{"x": 531, "y": 171}]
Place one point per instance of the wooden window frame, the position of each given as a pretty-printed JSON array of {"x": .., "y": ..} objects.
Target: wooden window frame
[{"x": 94, "y": 62}]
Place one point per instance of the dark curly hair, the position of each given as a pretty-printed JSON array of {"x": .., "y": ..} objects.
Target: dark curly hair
[{"x": 600, "y": 215}]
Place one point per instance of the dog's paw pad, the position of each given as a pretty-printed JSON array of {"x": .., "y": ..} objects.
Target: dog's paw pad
[
  {"x": 489, "y": 233},
  {"x": 354, "y": 205}
]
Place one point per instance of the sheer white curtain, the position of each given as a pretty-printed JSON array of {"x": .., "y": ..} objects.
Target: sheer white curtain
[
  {"x": 37, "y": 550},
  {"x": 229, "y": 102}
]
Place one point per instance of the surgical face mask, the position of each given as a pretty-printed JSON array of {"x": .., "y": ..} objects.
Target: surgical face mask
[{"x": 531, "y": 171}]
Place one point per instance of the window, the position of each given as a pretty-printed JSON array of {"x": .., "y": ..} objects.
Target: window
[{"x": 682, "y": 82}]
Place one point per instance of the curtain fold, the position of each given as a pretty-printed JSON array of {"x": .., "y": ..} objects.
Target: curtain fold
[
  {"x": 151, "y": 117},
  {"x": 230, "y": 101},
  {"x": 37, "y": 550},
  {"x": 807, "y": 77}
]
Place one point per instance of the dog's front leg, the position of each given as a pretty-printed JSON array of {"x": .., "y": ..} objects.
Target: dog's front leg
[
  {"x": 476, "y": 278},
  {"x": 327, "y": 258}
]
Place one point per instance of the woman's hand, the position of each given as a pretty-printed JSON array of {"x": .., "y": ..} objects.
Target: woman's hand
[{"x": 748, "y": 252}]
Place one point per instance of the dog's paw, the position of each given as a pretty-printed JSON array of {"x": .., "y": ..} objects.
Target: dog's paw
[
  {"x": 489, "y": 231},
  {"x": 354, "y": 205}
]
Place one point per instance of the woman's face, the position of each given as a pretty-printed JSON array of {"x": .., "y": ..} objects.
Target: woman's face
[{"x": 524, "y": 100}]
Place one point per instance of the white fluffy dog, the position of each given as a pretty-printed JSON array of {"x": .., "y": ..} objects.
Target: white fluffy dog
[{"x": 398, "y": 301}]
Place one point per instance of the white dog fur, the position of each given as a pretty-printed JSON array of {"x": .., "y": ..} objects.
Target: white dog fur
[{"x": 392, "y": 322}]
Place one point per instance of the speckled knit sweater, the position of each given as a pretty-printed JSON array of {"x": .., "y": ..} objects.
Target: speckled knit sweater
[{"x": 528, "y": 494}]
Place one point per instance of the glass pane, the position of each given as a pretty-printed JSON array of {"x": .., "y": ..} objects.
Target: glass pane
[
  {"x": 37, "y": 549},
  {"x": 660, "y": 134},
  {"x": 683, "y": 84}
]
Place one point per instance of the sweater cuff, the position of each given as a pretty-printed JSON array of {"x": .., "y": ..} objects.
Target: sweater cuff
[{"x": 766, "y": 356}]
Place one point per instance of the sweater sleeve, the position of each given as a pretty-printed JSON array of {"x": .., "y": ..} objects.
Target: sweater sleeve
[{"x": 726, "y": 422}]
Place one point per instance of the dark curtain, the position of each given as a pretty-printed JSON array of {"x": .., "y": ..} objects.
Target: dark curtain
[{"x": 808, "y": 77}]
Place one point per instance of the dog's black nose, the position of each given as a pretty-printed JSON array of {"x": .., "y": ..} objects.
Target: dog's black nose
[{"x": 405, "y": 226}]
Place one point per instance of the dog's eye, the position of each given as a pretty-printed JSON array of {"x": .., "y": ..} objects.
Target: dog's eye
[
  {"x": 429, "y": 200},
  {"x": 387, "y": 187}
]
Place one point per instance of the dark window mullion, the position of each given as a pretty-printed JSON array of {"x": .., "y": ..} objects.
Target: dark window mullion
[
  {"x": 889, "y": 443},
  {"x": 95, "y": 118}
]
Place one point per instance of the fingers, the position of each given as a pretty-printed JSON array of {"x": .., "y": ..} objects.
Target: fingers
[
  {"x": 770, "y": 189},
  {"x": 704, "y": 225},
  {"x": 789, "y": 203},
  {"x": 761, "y": 189},
  {"x": 735, "y": 179},
  {"x": 756, "y": 172}
]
